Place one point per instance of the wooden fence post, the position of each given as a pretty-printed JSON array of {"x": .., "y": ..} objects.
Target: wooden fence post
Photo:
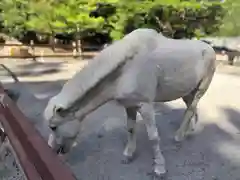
[
  {"x": 74, "y": 49},
  {"x": 79, "y": 48},
  {"x": 33, "y": 50},
  {"x": 55, "y": 41},
  {"x": 52, "y": 41},
  {"x": 231, "y": 59},
  {"x": 41, "y": 55}
]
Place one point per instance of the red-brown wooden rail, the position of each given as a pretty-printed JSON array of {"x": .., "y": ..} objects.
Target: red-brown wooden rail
[{"x": 38, "y": 161}]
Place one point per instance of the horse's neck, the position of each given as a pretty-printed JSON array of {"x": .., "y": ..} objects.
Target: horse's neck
[
  {"x": 100, "y": 94},
  {"x": 93, "y": 100}
]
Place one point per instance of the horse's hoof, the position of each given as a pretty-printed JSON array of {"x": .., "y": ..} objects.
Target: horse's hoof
[
  {"x": 179, "y": 138},
  {"x": 128, "y": 159},
  {"x": 157, "y": 176}
]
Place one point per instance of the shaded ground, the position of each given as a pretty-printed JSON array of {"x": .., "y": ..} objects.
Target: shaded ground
[{"x": 212, "y": 154}]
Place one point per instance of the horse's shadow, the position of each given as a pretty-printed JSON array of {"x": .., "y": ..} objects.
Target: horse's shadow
[
  {"x": 99, "y": 152},
  {"x": 103, "y": 140},
  {"x": 213, "y": 152}
]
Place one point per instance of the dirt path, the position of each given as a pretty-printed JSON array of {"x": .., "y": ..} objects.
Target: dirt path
[{"x": 212, "y": 154}]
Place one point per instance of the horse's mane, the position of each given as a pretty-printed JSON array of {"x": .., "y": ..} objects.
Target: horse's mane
[{"x": 103, "y": 64}]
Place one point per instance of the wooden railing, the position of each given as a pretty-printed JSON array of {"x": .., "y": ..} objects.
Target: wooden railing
[
  {"x": 46, "y": 50},
  {"x": 37, "y": 160}
]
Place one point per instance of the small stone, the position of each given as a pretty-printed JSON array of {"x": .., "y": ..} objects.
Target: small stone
[{"x": 99, "y": 135}]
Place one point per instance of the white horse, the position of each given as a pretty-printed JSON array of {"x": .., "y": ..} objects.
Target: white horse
[{"x": 142, "y": 68}]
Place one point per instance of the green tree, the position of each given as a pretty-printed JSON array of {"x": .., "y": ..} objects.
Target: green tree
[
  {"x": 43, "y": 19},
  {"x": 41, "y": 16},
  {"x": 13, "y": 15},
  {"x": 231, "y": 23},
  {"x": 74, "y": 17},
  {"x": 175, "y": 18}
]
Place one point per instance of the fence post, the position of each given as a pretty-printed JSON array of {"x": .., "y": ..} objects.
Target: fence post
[
  {"x": 33, "y": 50},
  {"x": 41, "y": 55},
  {"x": 55, "y": 41},
  {"x": 74, "y": 49},
  {"x": 231, "y": 59},
  {"x": 79, "y": 45}
]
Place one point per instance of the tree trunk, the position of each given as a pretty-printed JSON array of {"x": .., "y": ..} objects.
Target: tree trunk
[{"x": 52, "y": 41}]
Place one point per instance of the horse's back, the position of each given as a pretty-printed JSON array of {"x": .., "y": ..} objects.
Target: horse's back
[{"x": 169, "y": 71}]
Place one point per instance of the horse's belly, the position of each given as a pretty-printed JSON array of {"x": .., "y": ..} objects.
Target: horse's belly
[
  {"x": 169, "y": 93},
  {"x": 176, "y": 86}
]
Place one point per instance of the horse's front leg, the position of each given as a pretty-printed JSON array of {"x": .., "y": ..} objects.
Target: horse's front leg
[
  {"x": 131, "y": 128},
  {"x": 148, "y": 114}
]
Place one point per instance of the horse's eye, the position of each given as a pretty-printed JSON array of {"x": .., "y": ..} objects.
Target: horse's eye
[{"x": 60, "y": 111}]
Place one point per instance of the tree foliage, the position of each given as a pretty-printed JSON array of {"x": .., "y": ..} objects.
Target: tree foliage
[
  {"x": 175, "y": 18},
  {"x": 13, "y": 15},
  {"x": 231, "y": 23}
]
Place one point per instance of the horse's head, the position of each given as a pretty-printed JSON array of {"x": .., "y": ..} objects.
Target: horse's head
[
  {"x": 65, "y": 126},
  {"x": 63, "y": 136}
]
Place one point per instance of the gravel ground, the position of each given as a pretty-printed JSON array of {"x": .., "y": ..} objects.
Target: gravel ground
[
  {"x": 10, "y": 168},
  {"x": 211, "y": 154}
]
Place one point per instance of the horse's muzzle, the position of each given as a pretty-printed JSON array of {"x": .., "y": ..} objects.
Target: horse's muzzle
[{"x": 61, "y": 150}]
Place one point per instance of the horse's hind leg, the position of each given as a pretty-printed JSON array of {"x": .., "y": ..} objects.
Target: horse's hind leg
[
  {"x": 194, "y": 119},
  {"x": 131, "y": 142},
  {"x": 190, "y": 116}
]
